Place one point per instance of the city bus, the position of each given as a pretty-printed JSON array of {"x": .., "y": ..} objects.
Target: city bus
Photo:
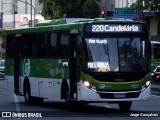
[
  {"x": 80, "y": 61},
  {"x": 155, "y": 57}
]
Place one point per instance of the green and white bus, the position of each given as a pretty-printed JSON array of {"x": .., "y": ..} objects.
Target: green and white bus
[
  {"x": 155, "y": 57},
  {"x": 86, "y": 60}
]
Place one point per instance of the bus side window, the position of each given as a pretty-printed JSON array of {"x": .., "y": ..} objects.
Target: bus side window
[
  {"x": 53, "y": 44},
  {"x": 43, "y": 48},
  {"x": 10, "y": 46},
  {"x": 64, "y": 45},
  {"x": 34, "y": 45},
  {"x": 26, "y": 48}
]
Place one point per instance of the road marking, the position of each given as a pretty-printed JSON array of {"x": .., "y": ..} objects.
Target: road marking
[
  {"x": 3, "y": 87},
  {"x": 16, "y": 103},
  {"x": 156, "y": 96}
]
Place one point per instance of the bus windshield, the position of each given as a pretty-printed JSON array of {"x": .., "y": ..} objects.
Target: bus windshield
[{"x": 115, "y": 54}]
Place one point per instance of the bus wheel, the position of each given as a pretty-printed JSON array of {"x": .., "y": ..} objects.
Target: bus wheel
[
  {"x": 27, "y": 95},
  {"x": 67, "y": 100},
  {"x": 125, "y": 106}
]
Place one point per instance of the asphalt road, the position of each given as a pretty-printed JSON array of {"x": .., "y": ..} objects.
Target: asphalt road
[{"x": 56, "y": 111}]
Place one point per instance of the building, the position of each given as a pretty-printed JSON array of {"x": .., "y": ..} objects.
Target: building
[
  {"x": 147, "y": 16},
  {"x": 22, "y": 10}
]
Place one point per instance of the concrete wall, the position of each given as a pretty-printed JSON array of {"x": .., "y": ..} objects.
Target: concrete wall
[
  {"x": 21, "y": 20},
  {"x": 123, "y": 3},
  {"x": 21, "y": 7},
  {"x": 24, "y": 8},
  {"x": 153, "y": 27},
  {"x": 6, "y": 7}
]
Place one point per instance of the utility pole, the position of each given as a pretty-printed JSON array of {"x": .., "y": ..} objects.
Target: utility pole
[
  {"x": 31, "y": 13},
  {"x": 31, "y": 10}
]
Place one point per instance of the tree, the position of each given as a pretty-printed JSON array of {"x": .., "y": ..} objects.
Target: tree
[
  {"x": 90, "y": 9},
  {"x": 2, "y": 49},
  {"x": 153, "y": 5},
  {"x": 50, "y": 10},
  {"x": 149, "y": 5},
  {"x": 53, "y": 9}
]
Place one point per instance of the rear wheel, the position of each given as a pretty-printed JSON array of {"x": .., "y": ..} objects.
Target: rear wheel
[
  {"x": 27, "y": 95},
  {"x": 125, "y": 106}
]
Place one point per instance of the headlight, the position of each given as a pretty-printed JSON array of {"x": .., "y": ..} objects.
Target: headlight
[
  {"x": 93, "y": 88},
  {"x": 86, "y": 83},
  {"x": 145, "y": 85},
  {"x": 90, "y": 86}
]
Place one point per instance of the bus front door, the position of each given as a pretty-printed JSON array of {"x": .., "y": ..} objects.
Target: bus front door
[
  {"x": 74, "y": 65},
  {"x": 16, "y": 65}
]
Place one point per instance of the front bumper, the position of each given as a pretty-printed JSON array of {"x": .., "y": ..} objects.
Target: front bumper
[{"x": 86, "y": 94}]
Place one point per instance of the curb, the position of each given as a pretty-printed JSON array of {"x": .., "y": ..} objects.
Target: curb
[{"x": 155, "y": 89}]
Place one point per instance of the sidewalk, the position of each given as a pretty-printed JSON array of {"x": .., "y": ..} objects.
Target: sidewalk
[{"x": 155, "y": 89}]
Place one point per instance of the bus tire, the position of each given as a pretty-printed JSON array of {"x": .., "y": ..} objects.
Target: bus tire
[
  {"x": 27, "y": 95},
  {"x": 67, "y": 100},
  {"x": 125, "y": 106}
]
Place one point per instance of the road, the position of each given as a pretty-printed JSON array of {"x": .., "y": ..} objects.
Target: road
[{"x": 56, "y": 111}]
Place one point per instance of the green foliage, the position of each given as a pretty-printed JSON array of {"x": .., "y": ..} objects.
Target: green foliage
[
  {"x": 90, "y": 9},
  {"x": 153, "y": 5},
  {"x": 50, "y": 10},
  {"x": 53, "y": 9},
  {"x": 2, "y": 32},
  {"x": 2, "y": 51},
  {"x": 150, "y": 5}
]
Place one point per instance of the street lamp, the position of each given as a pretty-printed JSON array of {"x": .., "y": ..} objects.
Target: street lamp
[
  {"x": 13, "y": 11},
  {"x": 31, "y": 10}
]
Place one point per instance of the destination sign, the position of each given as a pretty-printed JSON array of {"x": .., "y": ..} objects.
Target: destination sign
[{"x": 113, "y": 28}]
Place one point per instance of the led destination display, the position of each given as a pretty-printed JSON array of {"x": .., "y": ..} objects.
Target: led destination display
[{"x": 113, "y": 28}]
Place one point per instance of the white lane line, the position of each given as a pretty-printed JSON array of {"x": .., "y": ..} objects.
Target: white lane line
[
  {"x": 16, "y": 103},
  {"x": 3, "y": 87}
]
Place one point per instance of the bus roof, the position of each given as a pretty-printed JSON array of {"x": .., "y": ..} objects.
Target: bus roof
[
  {"x": 79, "y": 20},
  {"x": 65, "y": 23}
]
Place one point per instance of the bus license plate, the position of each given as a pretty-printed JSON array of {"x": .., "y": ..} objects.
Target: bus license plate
[{"x": 120, "y": 95}]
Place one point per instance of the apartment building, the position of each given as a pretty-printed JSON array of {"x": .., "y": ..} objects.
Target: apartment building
[
  {"x": 23, "y": 13},
  {"x": 22, "y": 10}
]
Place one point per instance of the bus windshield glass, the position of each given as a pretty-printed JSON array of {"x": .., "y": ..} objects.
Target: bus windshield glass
[{"x": 115, "y": 54}]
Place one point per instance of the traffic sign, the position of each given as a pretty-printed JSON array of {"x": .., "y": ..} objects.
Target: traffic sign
[
  {"x": 124, "y": 11},
  {"x": 128, "y": 13},
  {"x": 127, "y": 16}
]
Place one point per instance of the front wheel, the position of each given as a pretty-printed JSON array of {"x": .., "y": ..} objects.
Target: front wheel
[
  {"x": 125, "y": 106},
  {"x": 67, "y": 100}
]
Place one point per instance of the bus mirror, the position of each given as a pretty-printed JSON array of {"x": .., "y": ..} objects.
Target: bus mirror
[{"x": 64, "y": 64}]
